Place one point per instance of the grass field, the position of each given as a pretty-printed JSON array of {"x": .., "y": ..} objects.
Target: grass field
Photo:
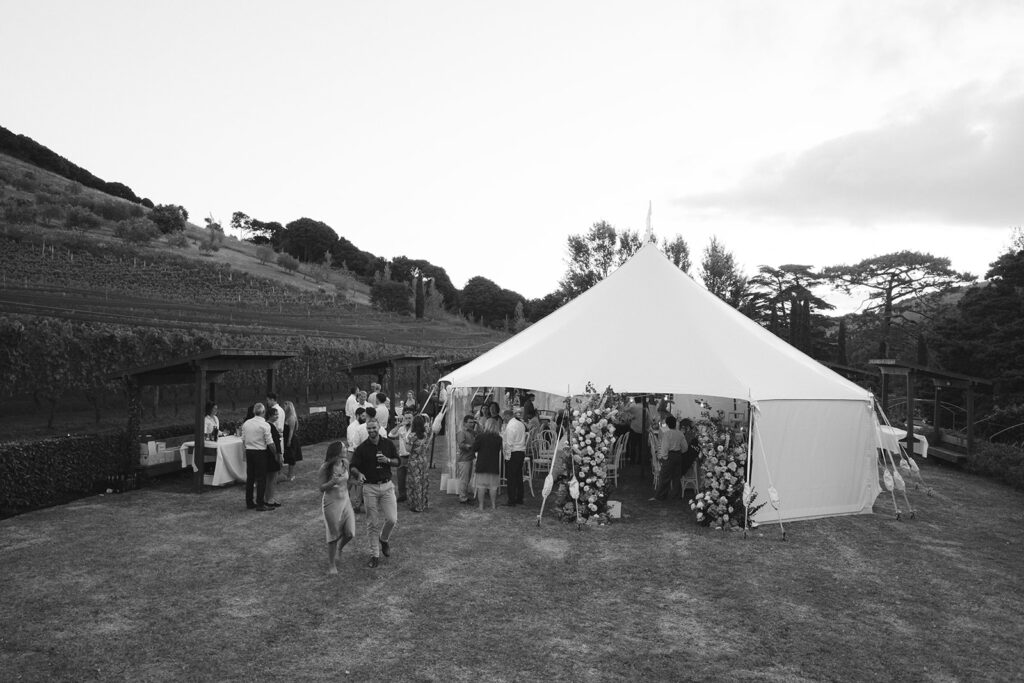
[{"x": 159, "y": 584}]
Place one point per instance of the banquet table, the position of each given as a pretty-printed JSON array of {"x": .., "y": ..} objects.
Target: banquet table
[
  {"x": 890, "y": 435},
  {"x": 230, "y": 465}
]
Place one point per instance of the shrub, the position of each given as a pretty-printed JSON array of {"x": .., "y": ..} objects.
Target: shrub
[
  {"x": 999, "y": 461},
  {"x": 178, "y": 240},
  {"x": 264, "y": 254},
  {"x": 208, "y": 247},
  {"x": 47, "y": 472},
  {"x": 19, "y": 211},
  {"x": 390, "y": 296},
  {"x": 117, "y": 211},
  {"x": 288, "y": 262},
  {"x": 136, "y": 231},
  {"x": 27, "y": 182},
  {"x": 81, "y": 218}
]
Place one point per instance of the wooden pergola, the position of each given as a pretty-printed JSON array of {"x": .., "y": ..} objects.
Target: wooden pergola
[
  {"x": 203, "y": 371},
  {"x": 941, "y": 379},
  {"x": 383, "y": 370}
]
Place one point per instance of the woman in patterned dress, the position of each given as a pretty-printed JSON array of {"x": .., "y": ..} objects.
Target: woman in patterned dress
[{"x": 418, "y": 482}]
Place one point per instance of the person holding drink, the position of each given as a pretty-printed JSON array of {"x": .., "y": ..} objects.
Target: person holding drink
[
  {"x": 371, "y": 466},
  {"x": 339, "y": 519}
]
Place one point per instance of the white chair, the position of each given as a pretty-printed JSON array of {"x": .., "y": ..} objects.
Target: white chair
[
  {"x": 611, "y": 472},
  {"x": 691, "y": 479},
  {"x": 543, "y": 452},
  {"x": 528, "y": 475}
]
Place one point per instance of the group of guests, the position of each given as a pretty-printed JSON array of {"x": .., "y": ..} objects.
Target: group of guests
[
  {"x": 368, "y": 471},
  {"x": 503, "y": 434},
  {"x": 270, "y": 437},
  {"x": 678, "y": 449}
]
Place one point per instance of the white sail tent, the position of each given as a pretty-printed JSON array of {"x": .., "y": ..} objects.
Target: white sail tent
[{"x": 649, "y": 328}]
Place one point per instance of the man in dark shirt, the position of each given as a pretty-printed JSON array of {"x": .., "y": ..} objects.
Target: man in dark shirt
[{"x": 371, "y": 465}]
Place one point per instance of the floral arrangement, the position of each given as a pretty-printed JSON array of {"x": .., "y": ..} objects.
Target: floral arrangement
[
  {"x": 723, "y": 501},
  {"x": 583, "y": 490}
]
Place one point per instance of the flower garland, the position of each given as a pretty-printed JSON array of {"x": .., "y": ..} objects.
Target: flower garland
[
  {"x": 591, "y": 437},
  {"x": 720, "y": 503}
]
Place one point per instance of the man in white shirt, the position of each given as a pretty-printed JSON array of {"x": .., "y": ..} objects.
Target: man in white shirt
[
  {"x": 383, "y": 411},
  {"x": 351, "y": 403},
  {"x": 356, "y": 432},
  {"x": 515, "y": 444},
  {"x": 272, "y": 403},
  {"x": 259, "y": 448}
]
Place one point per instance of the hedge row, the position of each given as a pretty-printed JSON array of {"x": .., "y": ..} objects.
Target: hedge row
[
  {"x": 46, "y": 472},
  {"x": 999, "y": 461}
]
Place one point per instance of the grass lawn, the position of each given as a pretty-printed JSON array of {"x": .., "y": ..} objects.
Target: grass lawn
[{"x": 160, "y": 584}]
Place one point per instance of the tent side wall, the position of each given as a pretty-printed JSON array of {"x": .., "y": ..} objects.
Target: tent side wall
[{"x": 821, "y": 457}]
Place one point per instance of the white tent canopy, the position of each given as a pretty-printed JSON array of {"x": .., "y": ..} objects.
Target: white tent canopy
[{"x": 649, "y": 328}]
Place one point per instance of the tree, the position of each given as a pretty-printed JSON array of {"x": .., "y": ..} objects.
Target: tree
[
  {"x": 721, "y": 276},
  {"x": 678, "y": 252},
  {"x": 388, "y": 295},
  {"x": 265, "y": 254},
  {"x": 215, "y": 230},
  {"x": 782, "y": 298},
  {"x": 306, "y": 239},
  {"x": 488, "y": 302},
  {"x": 518, "y": 318},
  {"x": 169, "y": 218},
  {"x": 591, "y": 258},
  {"x": 288, "y": 262},
  {"x": 985, "y": 335},
  {"x": 892, "y": 281},
  {"x": 536, "y": 309},
  {"x": 420, "y": 297}
]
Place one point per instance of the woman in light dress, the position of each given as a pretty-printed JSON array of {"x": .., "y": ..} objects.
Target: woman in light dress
[{"x": 339, "y": 519}]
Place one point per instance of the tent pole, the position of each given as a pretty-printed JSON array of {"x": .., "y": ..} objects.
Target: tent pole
[{"x": 750, "y": 452}]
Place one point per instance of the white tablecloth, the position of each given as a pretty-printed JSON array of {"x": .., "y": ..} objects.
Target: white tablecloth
[
  {"x": 891, "y": 435},
  {"x": 230, "y": 459}
]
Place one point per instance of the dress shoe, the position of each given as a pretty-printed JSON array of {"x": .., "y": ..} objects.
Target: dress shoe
[
  {"x": 262, "y": 508},
  {"x": 385, "y": 548},
  {"x": 250, "y": 506},
  {"x": 372, "y": 564},
  {"x": 273, "y": 505}
]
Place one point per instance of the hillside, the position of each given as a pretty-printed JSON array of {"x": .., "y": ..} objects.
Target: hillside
[{"x": 78, "y": 304}]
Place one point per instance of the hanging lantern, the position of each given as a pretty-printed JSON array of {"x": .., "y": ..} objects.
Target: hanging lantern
[
  {"x": 904, "y": 466},
  {"x": 913, "y": 465},
  {"x": 747, "y": 494},
  {"x": 549, "y": 483},
  {"x": 887, "y": 480},
  {"x": 898, "y": 481},
  {"x": 773, "y": 496},
  {"x": 574, "y": 489}
]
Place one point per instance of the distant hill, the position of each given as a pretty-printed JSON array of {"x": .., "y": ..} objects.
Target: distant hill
[{"x": 25, "y": 148}]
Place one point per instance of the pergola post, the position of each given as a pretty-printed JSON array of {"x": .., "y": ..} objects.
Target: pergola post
[
  {"x": 270, "y": 380},
  {"x": 199, "y": 450},
  {"x": 969, "y": 399},
  {"x": 936, "y": 415},
  {"x": 910, "y": 412}
]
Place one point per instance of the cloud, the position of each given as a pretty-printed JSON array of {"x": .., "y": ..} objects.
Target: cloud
[{"x": 958, "y": 162}]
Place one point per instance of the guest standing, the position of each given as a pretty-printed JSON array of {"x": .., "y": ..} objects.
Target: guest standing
[
  {"x": 292, "y": 448},
  {"x": 275, "y": 460},
  {"x": 464, "y": 461},
  {"x": 401, "y": 432},
  {"x": 259, "y": 448},
  {"x": 419, "y": 473},
  {"x": 371, "y": 465},
  {"x": 339, "y": 519},
  {"x": 672, "y": 452},
  {"x": 488, "y": 448},
  {"x": 410, "y": 405},
  {"x": 515, "y": 445}
]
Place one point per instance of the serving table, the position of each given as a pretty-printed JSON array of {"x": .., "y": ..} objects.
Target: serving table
[{"x": 230, "y": 465}]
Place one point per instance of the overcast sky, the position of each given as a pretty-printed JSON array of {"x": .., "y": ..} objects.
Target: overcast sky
[{"x": 479, "y": 134}]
